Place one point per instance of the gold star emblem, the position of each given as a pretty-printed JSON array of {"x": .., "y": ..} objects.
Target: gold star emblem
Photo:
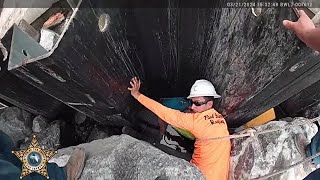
[{"x": 34, "y": 159}]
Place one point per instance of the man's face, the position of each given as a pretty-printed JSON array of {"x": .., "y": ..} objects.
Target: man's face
[{"x": 200, "y": 104}]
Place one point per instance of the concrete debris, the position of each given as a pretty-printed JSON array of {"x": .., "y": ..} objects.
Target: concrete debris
[
  {"x": 39, "y": 123},
  {"x": 48, "y": 38}
]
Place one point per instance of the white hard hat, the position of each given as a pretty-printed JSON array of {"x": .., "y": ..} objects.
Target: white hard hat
[{"x": 203, "y": 87}]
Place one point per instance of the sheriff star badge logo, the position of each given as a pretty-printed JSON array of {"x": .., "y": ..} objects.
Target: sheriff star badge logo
[{"x": 34, "y": 159}]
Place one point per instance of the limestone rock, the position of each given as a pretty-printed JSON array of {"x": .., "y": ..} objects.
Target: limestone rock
[
  {"x": 16, "y": 123},
  {"x": 48, "y": 138},
  {"x": 39, "y": 123},
  {"x": 123, "y": 157},
  {"x": 257, "y": 156}
]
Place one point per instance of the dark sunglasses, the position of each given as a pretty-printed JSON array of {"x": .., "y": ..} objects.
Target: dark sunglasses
[{"x": 199, "y": 103}]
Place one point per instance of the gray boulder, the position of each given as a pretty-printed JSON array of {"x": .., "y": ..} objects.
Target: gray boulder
[
  {"x": 123, "y": 157},
  {"x": 16, "y": 123},
  {"x": 39, "y": 123},
  {"x": 260, "y": 155},
  {"x": 48, "y": 138}
]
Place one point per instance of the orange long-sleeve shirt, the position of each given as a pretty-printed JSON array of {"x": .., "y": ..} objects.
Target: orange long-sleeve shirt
[{"x": 211, "y": 157}]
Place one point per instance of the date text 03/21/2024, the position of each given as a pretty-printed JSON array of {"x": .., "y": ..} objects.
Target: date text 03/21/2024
[{"x": 268, "y": 4}]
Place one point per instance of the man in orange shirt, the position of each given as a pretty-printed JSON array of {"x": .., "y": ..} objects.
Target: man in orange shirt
[{"x": 212, "y": 157}]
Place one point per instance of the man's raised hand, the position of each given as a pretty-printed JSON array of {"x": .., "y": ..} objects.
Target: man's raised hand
[
  {"x": 302, "y": 27},
  {"x": 135, "y": 87}
]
